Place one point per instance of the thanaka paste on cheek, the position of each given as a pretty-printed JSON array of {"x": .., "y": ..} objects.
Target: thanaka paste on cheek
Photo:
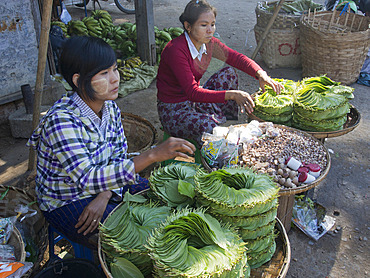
[{"x": 100, "y": 86}]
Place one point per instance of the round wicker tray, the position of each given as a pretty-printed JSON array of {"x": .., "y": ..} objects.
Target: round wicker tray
[
  {"x": 303, "y": 188},
  {"x": 19, "y": 248},
  {"x": 140, "y": 133},
  {"x": 353, "y": 121},
  {"x": 277, "y": 267}
]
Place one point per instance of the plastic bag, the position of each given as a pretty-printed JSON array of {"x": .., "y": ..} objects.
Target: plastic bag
[
  {"x": 6, "y": 228},
  {"x": 7, "y": 253},
  {"x": 14, "y": 269},
  {"x": 65, "y": 17},
  {"x": 311, "y": 218},
  {"x": 220, "y": 153}
]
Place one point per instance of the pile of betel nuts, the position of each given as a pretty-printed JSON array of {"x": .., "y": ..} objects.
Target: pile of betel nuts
[{"x": 291, "y": 157}]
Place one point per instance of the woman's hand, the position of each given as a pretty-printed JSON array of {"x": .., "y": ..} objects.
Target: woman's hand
[
  {"x": 242, "y": 99},
  {"x": 92, "y": 214},
  {"x": 171, "y": 148},
  {"x": 264, "y": 79}
]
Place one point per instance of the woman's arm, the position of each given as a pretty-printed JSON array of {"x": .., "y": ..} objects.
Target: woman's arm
[
  {"x": 171, "y": 148},
  {"x": 245, "y": 64}
]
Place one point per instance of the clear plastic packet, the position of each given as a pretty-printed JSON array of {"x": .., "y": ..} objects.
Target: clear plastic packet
[
  {"x": 7, "y": 253},
  {"x": 311, "y": 218},
  {"x": 220, "y": 153},
  {"x": 6, "y": 228}
]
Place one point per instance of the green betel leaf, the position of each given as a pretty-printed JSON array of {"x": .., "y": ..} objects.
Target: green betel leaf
[
  {"x": 122, "y": 268},
  {"x": 137, "y": 198},
  {"x": 186, "y": 188}
]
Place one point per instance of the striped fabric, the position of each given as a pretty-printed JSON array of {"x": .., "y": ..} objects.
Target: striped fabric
[{"x": 75, "y": 159}]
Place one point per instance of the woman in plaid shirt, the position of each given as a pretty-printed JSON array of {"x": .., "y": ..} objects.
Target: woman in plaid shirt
[{"x": 82, "y": 164}]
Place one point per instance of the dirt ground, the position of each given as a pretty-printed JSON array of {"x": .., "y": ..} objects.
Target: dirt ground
[{"x": 344, "y": 251}]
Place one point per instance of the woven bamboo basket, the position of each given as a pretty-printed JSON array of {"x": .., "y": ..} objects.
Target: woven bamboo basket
[
  {"x": 334, "y": 45},
  {"x": 277, "y": 267},
  {"x": 140, "y": 133},
  {"x": 16, "y": 241},
  {"x": 282, "y": 21},
  {"x": 35, "y": 225},
  {"x": 281, "y": 47}
]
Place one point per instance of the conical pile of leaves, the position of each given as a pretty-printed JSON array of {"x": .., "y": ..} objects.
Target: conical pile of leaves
[
  {"x": 191, "y": 243},
  {"x": 247, "y": 201}
]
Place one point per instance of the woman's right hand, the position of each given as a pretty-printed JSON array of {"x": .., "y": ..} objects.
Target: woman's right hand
[
  {"x": 242, "y": 99},
  {"x": 171, "y": 148}
]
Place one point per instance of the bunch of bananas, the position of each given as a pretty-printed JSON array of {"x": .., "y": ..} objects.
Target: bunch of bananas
[
  {"x": 77, "y": 28},
  {"x": 103, "y": 17},
  {"x": 62, "y": 26},
  {"x": 125, "y": 67},
  {"x": 162, "y": 37},
  {"x": 93, "y": 26}
]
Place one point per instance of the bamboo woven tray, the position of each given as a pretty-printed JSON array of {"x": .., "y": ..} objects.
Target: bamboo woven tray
[
  {"x": 277, "y": 267},
  {"x": 140, "y": 133},
  {"x": 353, "y": 120},
  {"x": 16, "y": 241},
  {"x": 302, "y": 188}
]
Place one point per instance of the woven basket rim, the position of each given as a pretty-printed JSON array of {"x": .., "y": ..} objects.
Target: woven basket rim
[
  {"x": 16, "y": 235},
  {"x": 304, "y": 21},
  {"x": 143, "y": 122}
]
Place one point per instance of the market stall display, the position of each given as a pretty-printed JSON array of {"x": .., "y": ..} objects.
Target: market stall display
[
  {"x": 267, "y": 148},
  {"x": 253, "y": 242}
]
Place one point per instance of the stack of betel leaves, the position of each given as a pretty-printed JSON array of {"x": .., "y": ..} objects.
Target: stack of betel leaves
[
  {"x": 276, "y": 108},
  {"x": 315, "y": 104},
  {"x": 247, "y": 201},
  {"x": 193, "y": 224}
]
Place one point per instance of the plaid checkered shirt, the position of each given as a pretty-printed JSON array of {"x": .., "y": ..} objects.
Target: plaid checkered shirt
[{"x": 79, "y": 155}]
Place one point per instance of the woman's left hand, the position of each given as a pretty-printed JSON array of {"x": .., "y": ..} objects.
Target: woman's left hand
[
  {"x": 264, "y": 79},
  {"x": 92, "y": 214}
]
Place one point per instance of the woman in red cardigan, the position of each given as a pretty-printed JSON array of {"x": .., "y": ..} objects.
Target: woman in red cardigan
[{"x": 187, "y": 109}]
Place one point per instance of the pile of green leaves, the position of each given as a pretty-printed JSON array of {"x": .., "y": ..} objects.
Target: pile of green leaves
[
  {"x": 315, "y": 104},
  {"x": 191, "y": 243},
  {"x": 321, "y": 105},
  {"x": 126, "y": 230},
  {"x": 174, "y": 184},
  {"x": 246, "y": 201},
  {"x": 296, "y": 7},
  {"x": 277, "y": 108}
]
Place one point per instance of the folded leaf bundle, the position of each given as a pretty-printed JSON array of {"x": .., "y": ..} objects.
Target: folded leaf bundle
[
  {"x": 191, "y": 243},
  {"x": 249, "y": 234},
  {"x": 127, "y": 229},
  {"x": 174, "y": 184},
  {"x": 256, "y": 259},
  {"x": 320, "y": 106},
  {"x": 304, "y": 123},
  {"x": 236, "y": 192},
  {"x": 249, "y": 222}
]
